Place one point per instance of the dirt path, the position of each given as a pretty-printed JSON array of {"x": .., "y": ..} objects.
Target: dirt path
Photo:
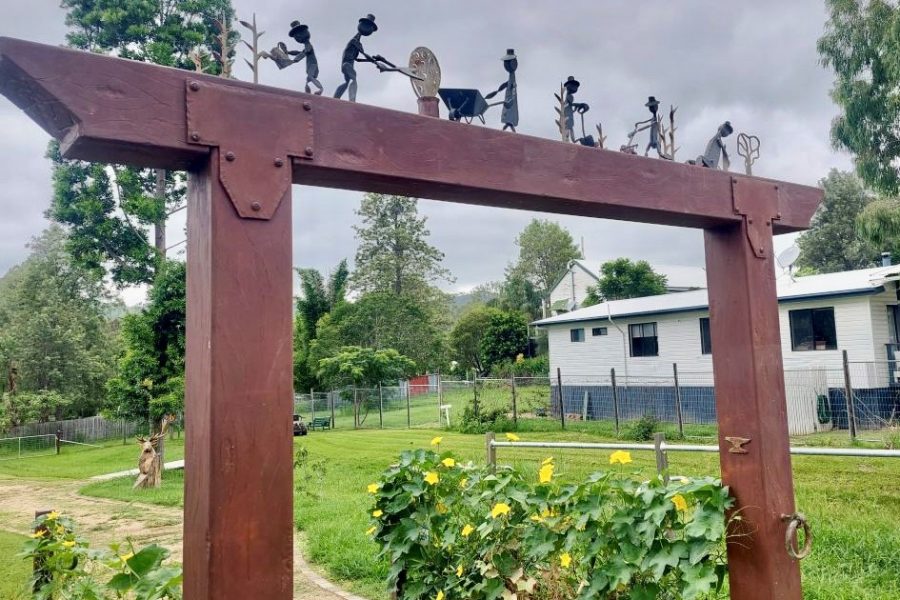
[{"x": 104, "y": 521}]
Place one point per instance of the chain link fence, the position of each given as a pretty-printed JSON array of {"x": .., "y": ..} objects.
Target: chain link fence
[{"x": 85, "y": 430}]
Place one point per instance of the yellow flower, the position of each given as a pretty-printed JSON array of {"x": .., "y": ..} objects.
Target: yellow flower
[
  {"x": 436, "y": 441},
  {"x": 546, "y": 513},
  {"x": 440, "y": 595},
  {"x": 125, "y": 557},
  {"x": 547, "y": 461},
  {"x": 68, "y": 544},
  {"x": 512, "y": 437},
  {"x": 60, "y": 530},
  {"x": 371, "y": 530},
  {"x": 463, "y": 482},
  {"x": 431, "y": 478},
  {"x": 377, "y": 513},
  {"x": 373, "y": 488},
  {"x": 449, "y": 463},
  {"x": 459, "y": 571},
  {"x": 537, "y": 518},
  {"x": 52, "y": 515},
  {"x": 441, "y": 508},
  {"x": 679, "y": 502},
  {"x": 546, "y": 473},
  {"x": 520, "y": 358},
  {"x": 620, "y": 457},
  {"x": 565, "y": 559},
  {"x": 39, "y": 533},
  {"x": 467, "y": 530},
  {"x": 501, "y": 508}
]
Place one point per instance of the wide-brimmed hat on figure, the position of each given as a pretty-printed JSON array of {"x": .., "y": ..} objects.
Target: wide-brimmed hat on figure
[
  {"x": 571, "y": 82},
  {"x": 651, "y": 102},
  {"x": 370, "y": 21},
  {"x": 297, "y": 27}
]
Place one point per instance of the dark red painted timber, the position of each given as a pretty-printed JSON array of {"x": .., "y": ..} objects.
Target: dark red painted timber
[
  {"x": 113, "y": 110},
  {"x": 238, "y": 487},
  {"x": 750, "y": 404},
  {"x": 238, "y": 510}
]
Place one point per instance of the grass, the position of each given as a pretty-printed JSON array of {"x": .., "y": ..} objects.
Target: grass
[
  {"x": 81, "y": 462},
  {"x": 14, "y": 572},
  {"x": 852, "y": 504},
  {"x": 170, "y": 493}
]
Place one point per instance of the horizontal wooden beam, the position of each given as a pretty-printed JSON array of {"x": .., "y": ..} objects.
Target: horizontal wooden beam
[{"x": 113, "y": 110}]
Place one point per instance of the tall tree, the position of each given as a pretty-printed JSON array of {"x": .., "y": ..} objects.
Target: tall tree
[
  {"x": 623, "y": 278},
  {"x": 862, "y": 44},
  {"x": 545, "y": 250},
  {"x": 394, "y": 254},
  {"x": 832, "y": 243},
  {"x": 53, "y": 333},
  {"x": 317, "y": 298},
  {"x": 109, "y": 209}
]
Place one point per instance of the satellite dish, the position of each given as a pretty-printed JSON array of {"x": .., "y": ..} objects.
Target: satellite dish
[
  {"x": 571, "y": 305},
  {"x": 788, "y": 257}
]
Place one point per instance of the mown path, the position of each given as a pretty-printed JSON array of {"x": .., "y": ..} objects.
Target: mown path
[{"x": 105, "y": 521}]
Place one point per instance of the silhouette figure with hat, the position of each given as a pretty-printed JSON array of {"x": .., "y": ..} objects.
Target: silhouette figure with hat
[
  {"x": 510, "y": 114},
  {"x": 570, "y": 107},
  {"x": 300, "y": 34},
  {"x": 653, "y": 125},
  {"x": 366, "y": 27}
]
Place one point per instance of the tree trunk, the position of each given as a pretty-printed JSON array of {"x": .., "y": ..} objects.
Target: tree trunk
[{"x": 159, "y": 227}]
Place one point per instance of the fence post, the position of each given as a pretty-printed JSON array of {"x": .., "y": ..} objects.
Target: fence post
[
  {"x": 408, "y": 417},
  {"x": 331, "y": 402},
  {"x": 58, "y": 438},
  {"x": 562, "y": 406},
  {"x": 491, "y": 451},
  {"x": 512, "y": 383},
  {"x": 312, "y": 404},
  {"x": 475, "y": 407},
  {"x": 440, "y": 401},
  {"x": 662, "y": 460},
  {"x": 678, "y": 401},
  {"x": 124, "y": 432},
  {"x": 380, "y": 407},
  {"x": 848, "y": 398},
  {"x": 615, "y": 398}
]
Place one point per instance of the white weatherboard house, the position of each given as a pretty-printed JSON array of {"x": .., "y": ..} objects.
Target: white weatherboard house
[
  {"x": 572, "y": 286},
  {"x": 820, "y": 316}
]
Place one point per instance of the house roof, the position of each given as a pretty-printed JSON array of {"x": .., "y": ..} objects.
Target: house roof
[
  {"x": 845, "y": 283},
  {"x": 678, "y": 277}
]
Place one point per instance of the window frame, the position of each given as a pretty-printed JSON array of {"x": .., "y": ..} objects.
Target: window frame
[
  {"x": 793, "y": 325},
  {"x": 653, "y": 347},
  {"x": 705, "y": 337},
  {"x": 576, "y": 335},
  {"x": 598, "y": 331}
]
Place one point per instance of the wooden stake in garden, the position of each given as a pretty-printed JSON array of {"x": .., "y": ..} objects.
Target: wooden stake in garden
[{"x": 241, "y": 160}]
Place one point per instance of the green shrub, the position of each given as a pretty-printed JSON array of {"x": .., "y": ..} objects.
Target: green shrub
[
  {"x": 484, "y": 420},
  {"x": 538, "y": 366},
  {"x": 643, "y": 429},
  {"x": 71, "y": 569},
  {"x": 452, "y": 530}
]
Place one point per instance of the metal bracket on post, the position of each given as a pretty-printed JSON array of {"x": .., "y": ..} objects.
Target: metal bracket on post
[
  {"x": 255, "y": 157},
  {"x": 757, "y": 200}
]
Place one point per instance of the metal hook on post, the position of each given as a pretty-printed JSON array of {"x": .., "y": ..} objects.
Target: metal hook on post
[{"x": 795, "y": 521}]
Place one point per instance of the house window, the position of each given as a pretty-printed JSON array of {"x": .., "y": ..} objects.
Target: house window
[
  {"x": 598, "y": 331},
  {"x": 705, "y": 339},
  {"x": 643, "y": 339},
  {"x": 576, "y": 335},
  {"x": 813, "y": 329}
]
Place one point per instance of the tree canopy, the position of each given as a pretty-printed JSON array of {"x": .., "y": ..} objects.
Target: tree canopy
[
  {"x": 832, "y": 242},
  {"x": 317, "y": 298},
  {"x": 394, "y": 254},
  {"x": 545, "y": 251},
  {"x": 485, "y": 336},
  {"x": 862, "y": 45},
  {"x": 623, "y": 278}
]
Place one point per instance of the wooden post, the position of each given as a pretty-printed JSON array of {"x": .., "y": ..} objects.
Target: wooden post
[
  {"x": 754, "y": 448},
  {"x": 491, "y": 450},
  {"x": 515, "y": 409},
  {"x": 58, "y": 440},
  {"x": 848, "y": 398},
  {"x": 239, "y": 518},
  {"x": 408, "y": 414},
  {"x": 678, "y": 415},
  {"x": 331, "y": 402},
  {"x": 615, "y": 398},
  {"x": 662, "y": 459},
  {"x": 562, "y": 404},
  {"x": 380, "y": 408},
  {"x": 312, "y": 404},
  {"x": 440, "y": 401}
]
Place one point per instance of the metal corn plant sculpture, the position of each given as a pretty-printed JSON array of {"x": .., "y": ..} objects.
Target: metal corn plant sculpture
[{"x": 254, "y": 47}]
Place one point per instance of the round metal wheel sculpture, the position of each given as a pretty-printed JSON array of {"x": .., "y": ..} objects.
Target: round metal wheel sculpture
[{"x": 422, "y": 62}]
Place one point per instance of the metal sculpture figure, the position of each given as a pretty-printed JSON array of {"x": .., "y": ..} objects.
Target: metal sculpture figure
[
  {"x": 570, "y": 107},
  {"x": 300, "y": 34},
  {"x": 510, "y": 114},
  {"x": 354, "y": 48},
  {"x": 716, "y": 149},
  {"x": 748, "y": 148},
  {"x": 653, "y": 125}
]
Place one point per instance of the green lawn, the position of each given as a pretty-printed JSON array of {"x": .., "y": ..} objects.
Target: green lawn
[
  {"x": 81, "y": 462},
  {"x": 852, "y": 505},
  {"x": 14, "y": 572}
]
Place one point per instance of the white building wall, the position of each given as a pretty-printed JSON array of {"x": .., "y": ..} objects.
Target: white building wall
[
  {"x": 679, "y": 342},
  {"x": 574, "y": 276}
]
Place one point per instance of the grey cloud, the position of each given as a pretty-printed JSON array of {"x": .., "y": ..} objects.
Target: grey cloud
[{"x": 752, "y": 63}]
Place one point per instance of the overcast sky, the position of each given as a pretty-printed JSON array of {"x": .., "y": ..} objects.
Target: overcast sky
[{"x": 753, "y": 63}]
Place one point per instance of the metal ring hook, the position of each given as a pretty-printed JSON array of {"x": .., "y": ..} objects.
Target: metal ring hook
[{"x": 794, "y": 521}]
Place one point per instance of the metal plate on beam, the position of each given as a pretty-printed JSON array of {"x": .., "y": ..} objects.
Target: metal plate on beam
[
  {"x": 257, "y": 135},
  {"x": 757, "y": 200}
]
